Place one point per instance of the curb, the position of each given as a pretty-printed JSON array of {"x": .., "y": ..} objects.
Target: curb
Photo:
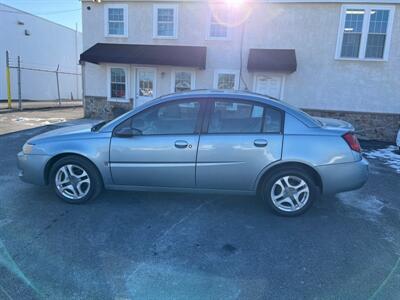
[{"x": 6, "y": 110}]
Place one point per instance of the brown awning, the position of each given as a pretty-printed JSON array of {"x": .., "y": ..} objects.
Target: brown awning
[
  {"x": 181, "y": 56},
  {"x": 276, "y": 60}
]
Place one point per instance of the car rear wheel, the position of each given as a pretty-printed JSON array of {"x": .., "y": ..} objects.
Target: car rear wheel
[
  {"x": 289, "y": 192},
  {"x": 75, "y": 180}
]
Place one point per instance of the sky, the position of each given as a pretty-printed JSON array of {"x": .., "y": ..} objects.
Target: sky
[{"x": 65, "y": 12}]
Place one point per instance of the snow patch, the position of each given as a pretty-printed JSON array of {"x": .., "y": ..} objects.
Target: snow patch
[
  {"x": 387, "y": 155},
  {"x": 369, "y": 205},
  {"x": 41, "y": 121}
]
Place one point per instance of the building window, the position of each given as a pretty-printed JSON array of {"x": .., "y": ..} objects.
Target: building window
[
  {"x": 226, "y": 79},
  {"x": 182, "y": 81},
  {"x": 218, "y": 29},
  {"x": 116, "y": 20},
  {"x": 377, "y": 32},
  {"x": 352, "y": 33},
  {"x": 365, "y": 32},
  {"x": 118, "y": 88},
  {"x": 165, "y": 21}
]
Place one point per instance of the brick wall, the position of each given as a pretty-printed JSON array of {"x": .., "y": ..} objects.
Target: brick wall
[
  {"x": 374, "y": 126},
  {"x": 100, "y": 108}
]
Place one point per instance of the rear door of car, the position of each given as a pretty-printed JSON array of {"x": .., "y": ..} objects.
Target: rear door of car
[{"x": 239, "y": 139}]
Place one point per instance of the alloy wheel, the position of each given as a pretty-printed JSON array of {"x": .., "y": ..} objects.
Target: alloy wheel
[
  {"x": 72, "y": 181},
  {"x": 290, "y": 193}
]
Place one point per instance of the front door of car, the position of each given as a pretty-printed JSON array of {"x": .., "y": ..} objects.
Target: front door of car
[
  {"x": 241, "y": 138},
  {"x": 157, "y": 147}
]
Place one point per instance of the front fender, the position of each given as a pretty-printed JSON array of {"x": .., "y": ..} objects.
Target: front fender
[{"x": 94, "y": 149}]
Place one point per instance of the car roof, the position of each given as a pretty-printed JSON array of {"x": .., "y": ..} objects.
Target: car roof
[
  {"x": 219, "y": 93},
  {"x": 245, "y": 95},
  {"x": 226, "y": 95}
]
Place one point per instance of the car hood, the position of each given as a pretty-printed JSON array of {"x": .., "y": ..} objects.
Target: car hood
[
  {"x": 329, "y": 123},
  {"x": 76, "y": 131}
]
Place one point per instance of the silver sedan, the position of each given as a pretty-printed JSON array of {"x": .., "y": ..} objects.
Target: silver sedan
[{"x": 202, "y": 141}]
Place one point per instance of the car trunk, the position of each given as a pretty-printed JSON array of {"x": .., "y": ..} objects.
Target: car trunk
[{"x": 330, "y": 123}]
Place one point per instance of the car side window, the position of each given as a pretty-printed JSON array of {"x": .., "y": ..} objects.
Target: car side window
[
  {"x": 272, "y": 121},
  {"x": 178, "y": 117},
  {"x": 229, "y": 116}
]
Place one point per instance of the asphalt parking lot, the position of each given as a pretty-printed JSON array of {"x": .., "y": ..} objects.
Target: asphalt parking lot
[
  {"x": 129, "y": 245},
  {"x": 21, "y": 120}
]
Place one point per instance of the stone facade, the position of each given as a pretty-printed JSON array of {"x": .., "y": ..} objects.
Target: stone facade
[
  {"x": 373, "y": 126},
  {"x": 100, "y": 108}
]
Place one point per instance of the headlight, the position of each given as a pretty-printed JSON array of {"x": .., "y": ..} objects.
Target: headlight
[{"x": 27, "y": 148}]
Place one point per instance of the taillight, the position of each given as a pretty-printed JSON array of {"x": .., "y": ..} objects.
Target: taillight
[{"x": 352, "y": 141}]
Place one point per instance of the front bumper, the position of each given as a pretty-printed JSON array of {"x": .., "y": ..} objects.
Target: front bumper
[
  {"x": 31, "y": 168},
  {"x": 343, "y": 177}
]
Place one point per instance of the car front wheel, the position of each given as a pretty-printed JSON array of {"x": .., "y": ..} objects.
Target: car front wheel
[
  {"x": 289, "y": 192},
  {"x": 75, "y": 180}
]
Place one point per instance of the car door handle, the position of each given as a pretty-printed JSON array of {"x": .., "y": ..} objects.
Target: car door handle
[
  {"x": 260, "y": 143},
  {"x": 181, "y": 144}
]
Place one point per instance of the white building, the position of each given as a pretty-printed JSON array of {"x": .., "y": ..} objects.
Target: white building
[
  {"x": 334, "y": 58},
  {"x": 41, "y": 44}
]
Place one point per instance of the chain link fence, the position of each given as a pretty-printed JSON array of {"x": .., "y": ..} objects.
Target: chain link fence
[{"x": 33, "y": 86}]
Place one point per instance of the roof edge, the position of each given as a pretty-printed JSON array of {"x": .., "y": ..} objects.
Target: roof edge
[{"x": 40, "y": 17}]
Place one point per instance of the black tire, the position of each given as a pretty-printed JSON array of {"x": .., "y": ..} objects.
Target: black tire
[
  {"x": 96, "y": 183},
  {"x": 269, "y": 182}
]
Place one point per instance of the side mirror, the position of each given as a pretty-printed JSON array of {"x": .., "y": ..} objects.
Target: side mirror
[{"x": 126, "y": 132}]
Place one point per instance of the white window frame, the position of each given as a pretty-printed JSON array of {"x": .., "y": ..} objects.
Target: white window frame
[
  {"x": 216, "y": 38},
  {"x": 226, "y": 71},
  {"x": 106, "y": 23},
  {"x": 365, "y": 29},
  {"x": 127, "y": 83},
  {"x": 192, "y": 76},
  {"x": 156, "y": 7}
]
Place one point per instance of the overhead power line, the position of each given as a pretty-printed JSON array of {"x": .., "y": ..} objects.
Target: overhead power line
[{"x": 58, "y": 12}]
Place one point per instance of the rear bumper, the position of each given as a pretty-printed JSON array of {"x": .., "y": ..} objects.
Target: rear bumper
[
  {"x": 343, "y": 177},
  {"x": 31, "y": 168}
]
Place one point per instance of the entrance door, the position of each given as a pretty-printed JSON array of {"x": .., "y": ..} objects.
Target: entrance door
[
  {"x": 270, "y": 85},
  {"x": 145, "y": 85}
]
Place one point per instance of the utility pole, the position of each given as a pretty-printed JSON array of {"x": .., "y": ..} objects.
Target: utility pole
[
  {"x": 58, "y": 86},
  {"x": 19, "y": 84},
  {"x": 8, "y": 80}
]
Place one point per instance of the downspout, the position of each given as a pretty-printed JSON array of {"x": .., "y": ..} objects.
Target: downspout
[
  {"x": 241, "y": 79},
  {"x": 83, "y": 86}
]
